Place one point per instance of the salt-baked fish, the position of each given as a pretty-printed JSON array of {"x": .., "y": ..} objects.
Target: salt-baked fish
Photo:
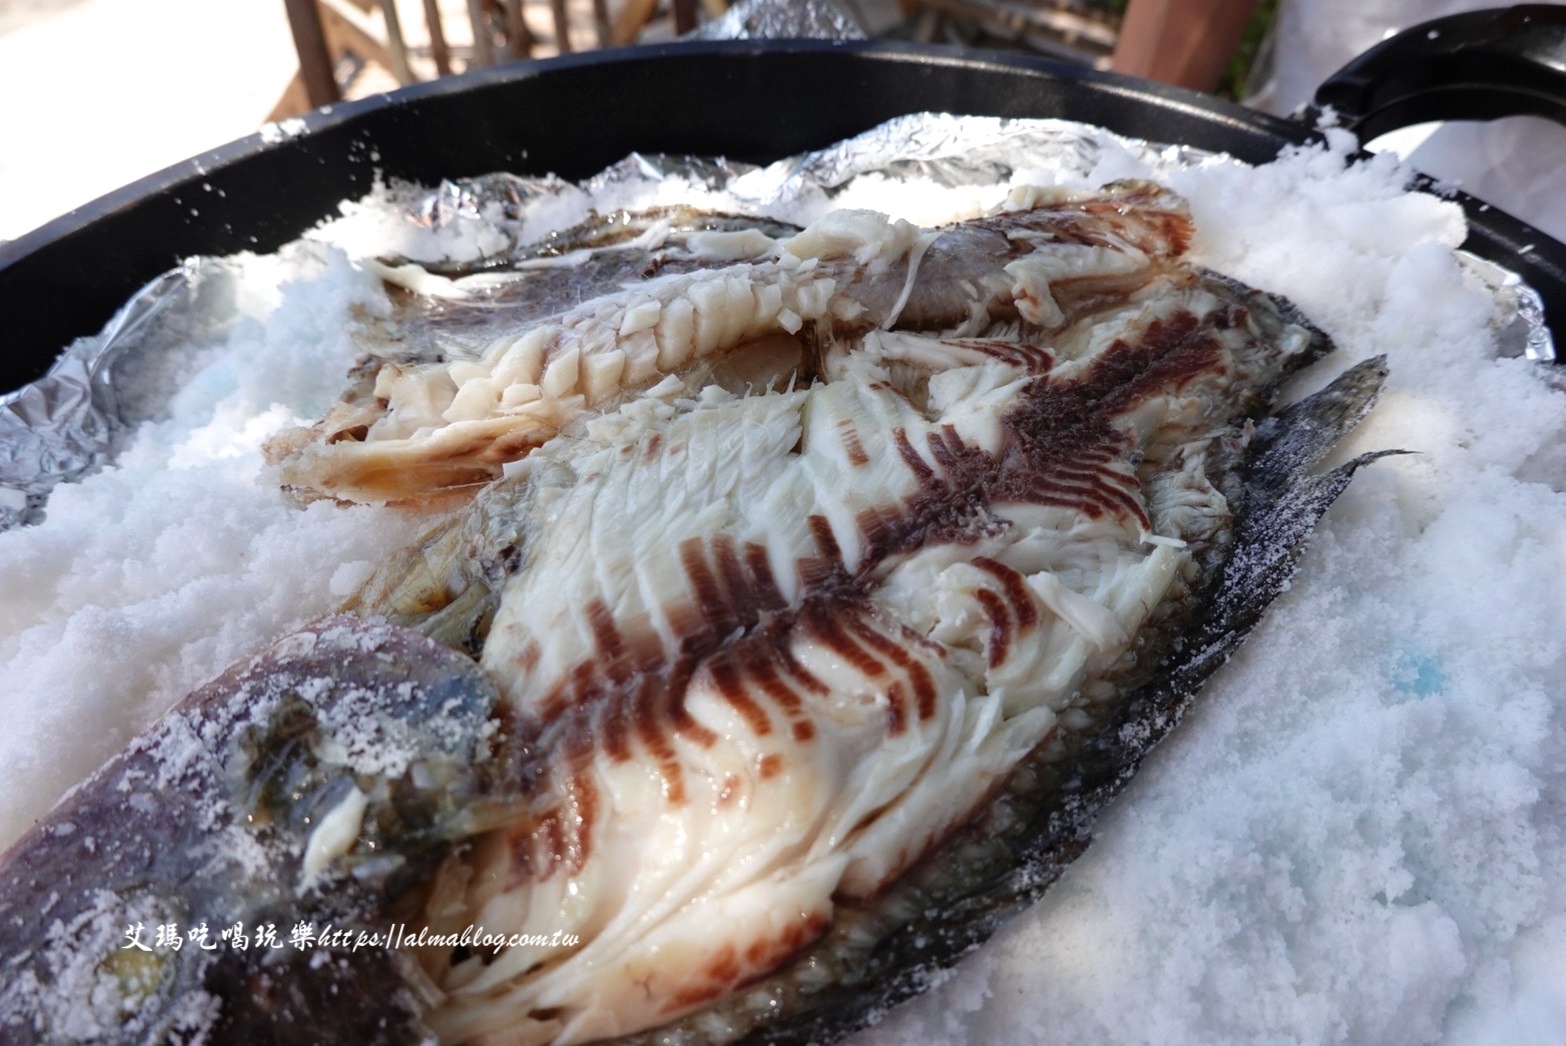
[
  {"x": 763, "y": 696},
  {"x": 235, "y": 814},
  {"x": 417, "y": 426}
]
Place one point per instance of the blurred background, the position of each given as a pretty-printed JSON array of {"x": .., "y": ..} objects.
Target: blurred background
[{"x": 95, "y": 94}]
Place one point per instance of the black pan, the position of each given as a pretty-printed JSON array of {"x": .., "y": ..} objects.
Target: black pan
[{"x": 749, "y": 100}]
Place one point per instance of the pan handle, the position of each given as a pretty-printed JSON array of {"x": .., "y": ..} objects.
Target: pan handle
[{"x": 1480, "y": 65}]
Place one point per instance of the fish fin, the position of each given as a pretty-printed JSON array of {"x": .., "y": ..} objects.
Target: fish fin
[
  {"x": 1290, "y": 443},
  {"x": 1280, "y": 506},
  {"x": 1280, "y": 311}
]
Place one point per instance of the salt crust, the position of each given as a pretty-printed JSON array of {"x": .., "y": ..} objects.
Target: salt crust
[
  {"x": 1359, "y": 835},
  {"x": 149, "y": 578}
]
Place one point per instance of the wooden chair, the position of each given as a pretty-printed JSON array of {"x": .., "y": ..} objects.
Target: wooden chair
[
  {"x": 328, "y": 31},
  {"x": 635, "y": 15},
  {"x": 499, "y": 31}
]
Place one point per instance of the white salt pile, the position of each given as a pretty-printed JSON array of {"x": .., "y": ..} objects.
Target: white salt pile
[
  {"x": 150, "y": 577},
  {"x": 1359, "y": 833}
]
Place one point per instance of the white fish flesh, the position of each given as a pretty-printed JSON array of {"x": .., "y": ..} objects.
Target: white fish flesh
[{"x": 425, "y": 426}]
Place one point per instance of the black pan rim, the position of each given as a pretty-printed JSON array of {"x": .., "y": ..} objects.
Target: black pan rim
[
  {"x": 66, "y": 278},
  {"x": 188, "y": 173}
]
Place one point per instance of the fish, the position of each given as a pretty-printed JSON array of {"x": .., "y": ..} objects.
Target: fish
[
  {"x": 443, "y": 416},
  {"x": 223, "y": 815},
  {"x": 789, "y": 631}
]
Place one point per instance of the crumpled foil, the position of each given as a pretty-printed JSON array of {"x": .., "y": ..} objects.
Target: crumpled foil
[
  {"x": 712, "y": 172},
  {"x": 781, "y": 20},
  {"x": 52, "y": 430},
  {"x": 65, "y": 424},
  {"x": 69, "y": 422},
  {"x": 1519, "y": 311},
  {"x": 954, "y": 151},
  {"x": 473, "y": 199},
  {"x": 948, "y": 150}
]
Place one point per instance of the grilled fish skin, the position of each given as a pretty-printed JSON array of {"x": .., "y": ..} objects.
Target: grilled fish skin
[
  {"x": 773, "y": 693},
  {"x": 240, "y": 806}
]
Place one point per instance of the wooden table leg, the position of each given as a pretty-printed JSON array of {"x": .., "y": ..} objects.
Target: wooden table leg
[
  {"x": 684, "y": 16},
  {"x": 631, "y": 19},
  {"x": 483, "y": 50},
  {"x": 562, "y": 26},
  {"x": 517, "y": 33},
  {"x": 315, "y": 61},
  {"x": 396, "y": 46},
  {"x": 601, "y": 23},
  {"x": 438, "y": 49}
]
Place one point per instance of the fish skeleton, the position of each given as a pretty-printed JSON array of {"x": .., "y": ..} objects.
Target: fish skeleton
[
  {"x": 417, "y": 426},
  {"x": 802, "y": 614}
]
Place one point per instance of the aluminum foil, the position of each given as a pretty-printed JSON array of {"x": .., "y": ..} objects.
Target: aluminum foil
[
  {"x": 956, "y": 150},
  {"x": 500, "y": 196},
  {"x": 952, "y": 151},
  {"x": 782, "y": 20},
  {"x": 66, "y": 424},
  {"x": 709, "y": 172},
  {"x": 1519, "y": 311},
  {"x": 948, "y": 150}
]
